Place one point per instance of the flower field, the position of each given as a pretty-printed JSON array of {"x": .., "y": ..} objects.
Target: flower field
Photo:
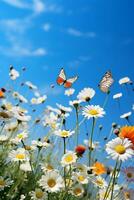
[{"x": 66, "y": 162}]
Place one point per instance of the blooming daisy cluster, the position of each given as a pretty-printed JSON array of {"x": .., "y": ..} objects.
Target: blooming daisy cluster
[{"x": 45, "y": 153}]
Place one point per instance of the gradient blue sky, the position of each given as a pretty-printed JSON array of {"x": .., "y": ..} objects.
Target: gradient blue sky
[{"x": 85, "y": 37}]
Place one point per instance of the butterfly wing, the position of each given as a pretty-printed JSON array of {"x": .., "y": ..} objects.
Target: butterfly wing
[
  {"x": 68, "y": 83},
  {"x": 61, "y": 78},
  {"x": 106, "y": 82}
]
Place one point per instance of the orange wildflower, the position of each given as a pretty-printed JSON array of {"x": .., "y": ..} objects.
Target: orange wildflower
[
  {"x": 1, "y": 94},
  {"x": 127, "y": 132},
  {"x": 98, "y": 168}
]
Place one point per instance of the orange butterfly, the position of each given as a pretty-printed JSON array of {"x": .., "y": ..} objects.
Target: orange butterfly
[{"x": 62, "y": 80}]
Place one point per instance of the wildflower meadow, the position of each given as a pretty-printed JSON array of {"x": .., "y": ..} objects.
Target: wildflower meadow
[{"x": 60, "y": 152}]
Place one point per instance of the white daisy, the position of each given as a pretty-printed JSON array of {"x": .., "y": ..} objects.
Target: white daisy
[
  {"x": 3, "y": 138},
  {"x": 69, "y": 158},
  {"x": 120, "y": 149},
  {"x": 6, "y": 105},
  {"x": 55, "y": 110},
  {"x": 46, "y": 167},
  {"x": 10, "y": 127},
  {"x": 64, "y": 109},
  {"x": 39, "y": 144},
  {"x": 124, "y": 80},
  {"x": 98, "y": 181},
  {"x": 22, "y": 197},
  {"x": 77, "y": 190},
  {"x": 95, "y": 144},
  {"x": 93, "y": 111},
  {"x": 63, "y": 133},
  {"x": 5, "y": 182},
  {"x": 117, "y": 96},
  {"x": 19, "y": 114},
  {"x": 19, "y": 155},
  {"x": 69, "y": 92},
  {"x": 38, "y": 194},
  {"x": 51, "y": 120},
  {"x": 31, "y": 85},
  {"x": 86, "y": 94},
  {"x": 81, "y": 178},
  {"x": 39, "y": 100},
  {"x": 81, "y": 168},
  {"x": 51, "y": 182},
  {"x": 126, "y": 115},
  {"x": 25, "y": 167},
  {"x": 14, "y": 74},
  {"x": 22, "y": 136},
  {"x": 20, "y": 97},
  {"x": 74, "y": 103}
]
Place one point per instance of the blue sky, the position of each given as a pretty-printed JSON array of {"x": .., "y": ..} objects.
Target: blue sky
[{"x": 85, "y": 37}]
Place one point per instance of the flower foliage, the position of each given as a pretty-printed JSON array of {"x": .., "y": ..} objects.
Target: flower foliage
[{"x": 44, "y": 154}]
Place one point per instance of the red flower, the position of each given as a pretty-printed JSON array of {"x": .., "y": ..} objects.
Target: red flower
[{"x": 80, "y": 149}]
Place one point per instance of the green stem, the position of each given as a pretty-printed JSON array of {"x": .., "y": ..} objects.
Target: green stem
[
  {"x": 91, "y": 140},
  {"x": 2, "y": 127},
  {"x": 37, "y": 161},
  {"x": 114, "y": 180},
  {"x": 106, "y": 100},
  {"x": 64, "y": 140},
  {"x": 109, "y": 185},
  {"x": 77, "y": 127}
]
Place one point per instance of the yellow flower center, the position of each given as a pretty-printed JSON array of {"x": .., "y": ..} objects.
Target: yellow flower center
[
  {"x": 64, "y": 133},
  {"x": 2, "y": 182},
  {"x": 120, "y": 149},
  {"x": 53, "y": 125},
  {"x": 129, "y": 175},
  {"x": 99, "y": 182},
  {"x": 77, "y": 191},
  {"x": 81, "y": 178},
  {"x": 51, "y": 183},
  {"x": 50, "y": 167},
  {"x": 80, "y": 169},
  {"x": 20, "y": 136},
  {"x": 93, "y": 112},
  {"x": 20, "y": 156},
  {"x": 8, "y": 106},
  {"x": 39, "y": 194},
  {"x": 69, "y": 158}
]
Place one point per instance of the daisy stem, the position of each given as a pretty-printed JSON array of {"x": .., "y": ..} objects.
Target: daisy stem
[
  {"x": 30, "y": 162},
  {"x": 114, "y": 179},
  {"x": 109, "y": 185},
  {"x": 64, "y": 140},
  {"x": 91, "y": 140},
  {"x": 4, "y": 123},
  {"x": 118, "y": 101},
  {"x": 37, "y": 161},
  {"x": 128, "y": 121},
  {"x": 110, "y": 134},
  {"x": 106, "y": 100},
  {"x": 77, "y": 127}
]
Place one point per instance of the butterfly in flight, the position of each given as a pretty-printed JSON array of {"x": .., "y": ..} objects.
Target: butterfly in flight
[
  {"x": 62, "y": 80},
  {"x": 106, "y": 82}
]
